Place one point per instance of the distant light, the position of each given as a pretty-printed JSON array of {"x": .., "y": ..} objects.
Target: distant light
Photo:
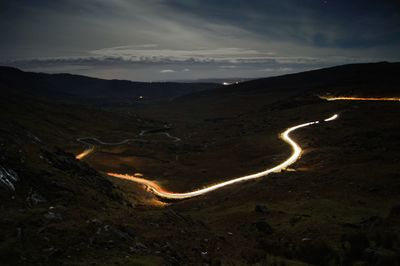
[
  {"x": 226, "y": 83},
  {"x": 140, "y": 97}
]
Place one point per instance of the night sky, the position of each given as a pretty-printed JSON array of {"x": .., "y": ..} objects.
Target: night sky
[{"x": 151, "y": 40}]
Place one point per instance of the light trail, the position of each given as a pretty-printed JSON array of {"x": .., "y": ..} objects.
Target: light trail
[
  {"x": 296, "y": 153},
  {"x": 125, "y": 141},
  {"x": 91, "y": 146},
  {"x": 331, "y": 118},
  {"x": 85, "y": 153},
  {"x": 351, "y": 98},
  {"x": 175, "y": 139}
]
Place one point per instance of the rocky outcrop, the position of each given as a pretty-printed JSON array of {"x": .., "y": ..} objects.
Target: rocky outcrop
[{"x": 8, "y": 178}]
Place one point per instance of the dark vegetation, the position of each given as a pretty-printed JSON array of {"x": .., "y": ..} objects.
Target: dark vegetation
[{"x": 340, "y": 207}]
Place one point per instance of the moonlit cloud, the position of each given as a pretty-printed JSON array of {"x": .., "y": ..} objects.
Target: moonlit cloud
[
  {"x": 131, "y": 52},
  {"x": 139, "y": 39},
  {"x": 167, "y": 71},
  {"x": 281, "y": 69}
]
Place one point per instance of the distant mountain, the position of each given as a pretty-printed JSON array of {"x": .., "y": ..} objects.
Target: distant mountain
[
  {"x": 375, "y": 78},
  {"x": 355, "y": 79},
  {"x": 222, "y": 81},
  {"x": 81, "y": 89},
  {"x": 371, "y": 79}
]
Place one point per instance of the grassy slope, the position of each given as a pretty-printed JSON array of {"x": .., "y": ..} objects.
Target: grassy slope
[
  {"x": 63, "y": 211},
  {"x": 339, "y": 206},
  {"x": 345, "y": 191},
  {"x": 87, "y": 90}
]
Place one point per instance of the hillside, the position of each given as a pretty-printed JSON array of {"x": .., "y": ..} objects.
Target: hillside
[
  {"x": 86, "y": 90},
  {"x": 371, "y": 79},
  {"x": 337, "y": 205},
  {"x": 365, "y": 78}
]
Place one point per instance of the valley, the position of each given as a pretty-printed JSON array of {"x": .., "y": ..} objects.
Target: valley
[{"x": 334, "y": 202}]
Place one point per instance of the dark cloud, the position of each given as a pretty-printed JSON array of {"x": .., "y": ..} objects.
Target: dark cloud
[{"x": 322, "y": 23}]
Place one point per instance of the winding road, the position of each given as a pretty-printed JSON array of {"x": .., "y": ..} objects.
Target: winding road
[
  {"x": 296, "y": 153},
  {"x": 91, "y": 147}
]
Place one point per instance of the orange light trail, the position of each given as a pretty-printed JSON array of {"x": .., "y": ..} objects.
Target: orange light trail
[
  {"x": 85, "y": 153},
  {"x": 296, "y": 153},
  {"x": 350, "y": 98}
]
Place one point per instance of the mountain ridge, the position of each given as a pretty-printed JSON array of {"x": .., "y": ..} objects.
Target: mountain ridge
[
  {"x": 366, "y": 74},
  {"x": 83, "y": 89}
]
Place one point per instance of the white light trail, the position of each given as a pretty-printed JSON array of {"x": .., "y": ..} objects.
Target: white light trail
[
  {"x": 331, "y": 118},
  {"x": 296, "y": 152}
]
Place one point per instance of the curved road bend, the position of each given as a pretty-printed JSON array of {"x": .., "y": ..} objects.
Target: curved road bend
[
  {"x": 91, "y": 147},
  {"x": 296, "y": 152},
  {"x": 175, "y": 139}
]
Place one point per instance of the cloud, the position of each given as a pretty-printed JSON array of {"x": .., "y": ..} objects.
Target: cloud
[
  {"x": 131, "y": 38},
  {"x": 164, "y": 71},
  {"x": 144, "y": 63},
  {"x": 222, "y": 58},
  {"x": 228, "y": 67},
  {"x": 136, "y": 54},
  {"x": 280, "y": 69},
  {"x": 268, "y": 69}
]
